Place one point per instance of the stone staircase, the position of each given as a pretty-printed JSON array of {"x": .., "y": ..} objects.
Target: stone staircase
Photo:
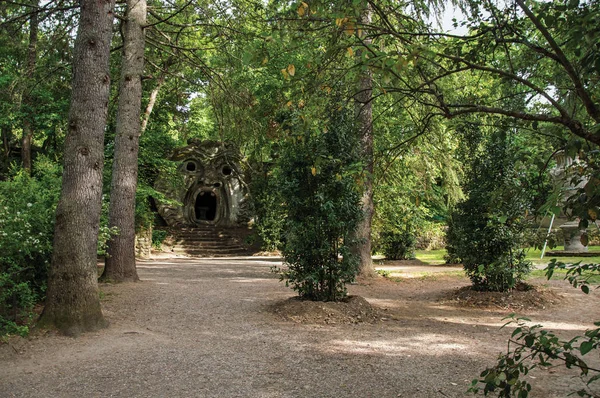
[{"x": 206, "y": 241}]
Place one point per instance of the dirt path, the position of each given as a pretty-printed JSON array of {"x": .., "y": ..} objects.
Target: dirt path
[{"x": 203, "y": 328}]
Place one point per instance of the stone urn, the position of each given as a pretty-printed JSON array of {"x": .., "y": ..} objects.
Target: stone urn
[{"x": 572, "y": 235}]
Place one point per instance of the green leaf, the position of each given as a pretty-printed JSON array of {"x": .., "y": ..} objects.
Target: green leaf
[
  {"x": 516, "y": 331},
  {"x": 585, "y": 289},
  {"x": 529, "y": 340},
  {"x": 593, "y": 379},
  {"x": 523, "y": 394},
  {"x": 586, "y": 347}
]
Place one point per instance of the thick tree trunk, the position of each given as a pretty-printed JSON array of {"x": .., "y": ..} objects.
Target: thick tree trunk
[
  {"x": 72, "y": 302},
  {"x": 364, "y": 115},
  {"x": 120, "y": 262},
  {"x": 28, "y": 102}
]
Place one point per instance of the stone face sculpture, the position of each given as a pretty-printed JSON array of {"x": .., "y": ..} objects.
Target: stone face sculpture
[{"x": 208, "y": 188}]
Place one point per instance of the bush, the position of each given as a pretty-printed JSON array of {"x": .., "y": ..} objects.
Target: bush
[
  {"x": 398, "y": 245},
  {"x": 317, "y": 177},
  {"x": 487, "y": 230},
  {"x": 158, "y": 237},
  {"x": 27, "y": 207}
]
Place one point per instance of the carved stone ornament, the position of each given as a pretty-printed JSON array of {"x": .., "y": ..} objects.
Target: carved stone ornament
[{"x": 208, "y": 187}]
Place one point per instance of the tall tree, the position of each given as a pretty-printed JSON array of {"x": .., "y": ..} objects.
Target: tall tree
[
  {"x": 72, "y": 302},
  {"x": 364, "y": 115},
  {"x": 28, "y": 100},
  {"x": 120, "y": 262}
]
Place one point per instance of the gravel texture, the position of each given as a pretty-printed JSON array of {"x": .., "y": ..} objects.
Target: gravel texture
[{"x": 208, "y": 328}]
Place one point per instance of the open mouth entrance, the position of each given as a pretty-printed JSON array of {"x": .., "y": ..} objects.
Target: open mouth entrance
[{"x": 206, "y": 206}]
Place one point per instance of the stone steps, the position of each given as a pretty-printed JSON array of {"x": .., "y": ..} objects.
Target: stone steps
[{"x": 206, "y": 242}]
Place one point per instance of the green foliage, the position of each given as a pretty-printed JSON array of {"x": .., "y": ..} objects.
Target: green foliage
[
  {"x": 317, "y": 178},
  {"x": 158, "y": 237},
  {"x": 27, "y": 206},
  {"x": 398, "y": 245},
  {"x": 578, "y": 275},
  {"x": 269, "y": 216},
  {"x": 530, "y": 347},
  {"x": 104, "y": 231},
  {"x": 487, "y": 229}
]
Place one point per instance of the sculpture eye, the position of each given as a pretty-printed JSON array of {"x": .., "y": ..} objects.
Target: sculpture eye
[
  {"x": 226, "y": 170},
  {"x": 190, "y": 166}
]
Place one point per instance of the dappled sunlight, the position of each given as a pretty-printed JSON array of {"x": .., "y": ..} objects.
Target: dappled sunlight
[
  {"x": 471, "y": 316},
  {"x": 250, "y": 280},
  {"x": 386, "y": 303},
  {"x": 435, "y": 343},
  {"x": 480, "y": 322}
]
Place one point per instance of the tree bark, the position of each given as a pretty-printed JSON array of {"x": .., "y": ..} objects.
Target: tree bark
[
  {"x": 6, "y": 144},
  {"x": 364, "y": 116},
  {"x": 28, "y": 101},
  {"x": 120, "y": 261},
  {"x": 72, "y": 302}
]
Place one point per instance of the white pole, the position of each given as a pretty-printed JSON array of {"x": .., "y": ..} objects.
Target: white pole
[{"x": 547, "y": 234}]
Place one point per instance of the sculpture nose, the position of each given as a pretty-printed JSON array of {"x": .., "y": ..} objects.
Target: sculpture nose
[{"x": 217, "y": 184}]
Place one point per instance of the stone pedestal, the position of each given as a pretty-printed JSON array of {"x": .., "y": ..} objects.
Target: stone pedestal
[
  {"x": 143, "y": 243},
  {"x": 572, "y": 235}
]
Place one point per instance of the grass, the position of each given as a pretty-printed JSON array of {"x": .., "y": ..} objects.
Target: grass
[
  {"x": 559, "y": 274},
  {"x": 431, "y": 257},
  {"x": 436, "y": 257},
  {"x": 533, "y": 255}
]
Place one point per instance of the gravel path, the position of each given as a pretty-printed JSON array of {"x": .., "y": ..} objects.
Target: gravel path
[{"x": 202, "y": 328}]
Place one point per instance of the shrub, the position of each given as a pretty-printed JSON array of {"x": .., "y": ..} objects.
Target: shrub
[
  {"x": 403, "y": 221},
  {"x": 158, "y": 237},
  {"x": 317, "y": 177},
  {"x": 27, "y": 207},
  {"x": 487, "y": 230},
  {"x": 398, "y": 245}
]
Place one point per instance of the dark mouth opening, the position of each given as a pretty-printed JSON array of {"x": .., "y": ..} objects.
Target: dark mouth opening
[{"x": 206, "y": 206}]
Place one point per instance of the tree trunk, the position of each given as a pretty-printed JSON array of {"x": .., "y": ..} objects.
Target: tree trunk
[
  {"x": 120, "y": 261},
  {"x": 364, "y": 116},
  {"x": 6, "y": 145},
  {"x": 72, "y": 302},
  {"x": 154, "y": 95},
  {"x": 28, "y": 101}
]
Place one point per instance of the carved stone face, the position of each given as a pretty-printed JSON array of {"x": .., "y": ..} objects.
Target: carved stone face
[{"x": 210, "y": 186}]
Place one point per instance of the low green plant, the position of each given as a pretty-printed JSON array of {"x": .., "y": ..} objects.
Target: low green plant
[
  {"x": 383, "y": 272},
  {"x": 398, "y": 245},
  {"x": 530, "y": 347},
  {"x": 27, "y": 206},
  {"x": 158, "y": 237}
]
